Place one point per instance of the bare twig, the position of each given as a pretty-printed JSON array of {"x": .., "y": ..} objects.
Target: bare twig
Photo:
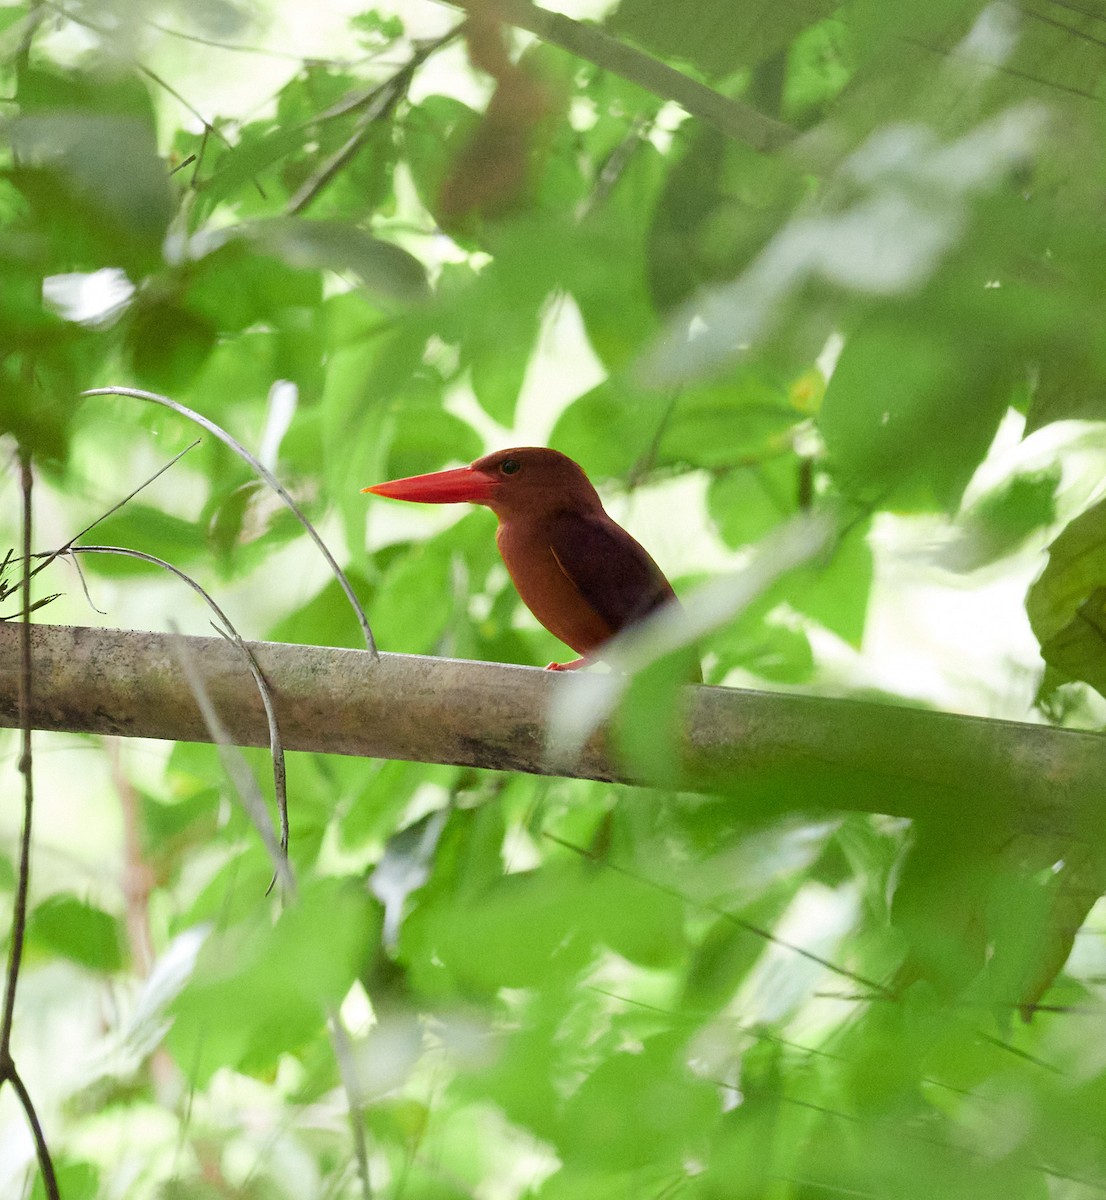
[
  {"x": 379, "y": 104},
  {"x": 1077, "y": 8},
  {"x": 49, "y": 558},
  {"x": 104, "y": 32},
  {"x": 8, "y": 1072},
  {"x": 266, "y": 475},
  {"x": 644, "y": 465},
  {"x": 616, "y": 163},
  {"x": 137, "y": 875},
  {"x": 32, "y": 21},
  {"x": 351, "y": 1085},
  {"x": 42, "y": 1150},
  {"x": 1071, "y": 30},
  {"x": 226, "y": 629},
  {"x": 19, "y": 914},
  {"x": 1001, "y": 68},
  {"x": 238, "y": 48}
]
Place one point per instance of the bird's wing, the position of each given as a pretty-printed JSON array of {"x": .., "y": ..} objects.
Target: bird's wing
[{"x": 613, "y": 573}]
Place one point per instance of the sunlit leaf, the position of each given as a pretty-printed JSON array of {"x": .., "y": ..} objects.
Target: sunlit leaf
[
  {"x": 609, "y": 428},
  {"x": 76, "y": 1180},
  {"x": 282, "y": 974},
  {"x": 1000, "y": 522},
  {"x": 909, "y": 214},
  {"x": 748, "y": 501},
  {"x": 835, "y": 592},
  {"x": 902, "y": 423},
  {"x": 1067, "y": 604}
]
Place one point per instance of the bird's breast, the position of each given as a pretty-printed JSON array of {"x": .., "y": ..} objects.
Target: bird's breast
[{"x": 545, "y": 588}]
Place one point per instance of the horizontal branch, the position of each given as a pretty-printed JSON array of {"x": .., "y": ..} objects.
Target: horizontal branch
[{"x": 797, "y": 753}]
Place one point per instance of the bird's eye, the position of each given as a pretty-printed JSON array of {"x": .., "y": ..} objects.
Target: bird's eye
[{"x": 509, "y": 466}]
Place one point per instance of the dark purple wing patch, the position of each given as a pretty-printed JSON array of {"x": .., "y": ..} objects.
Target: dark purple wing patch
[{"x": 612, "y": 571}]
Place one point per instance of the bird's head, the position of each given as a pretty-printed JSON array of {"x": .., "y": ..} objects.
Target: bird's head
[{"x": 527, "y": 479}]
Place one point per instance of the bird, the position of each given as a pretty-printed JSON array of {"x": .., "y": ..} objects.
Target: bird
[{"x": 581, "y": 574}]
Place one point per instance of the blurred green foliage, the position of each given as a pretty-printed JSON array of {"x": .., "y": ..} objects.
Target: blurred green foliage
[{"x": 558, "y": 989}]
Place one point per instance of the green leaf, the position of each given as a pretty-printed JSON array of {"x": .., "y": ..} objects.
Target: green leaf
[
  {"x": 998, "y": 523},
  {"x": 1069, "y": 387},
  {"x": 819, "y": 66},
  {"x": 364, "y": 394},
  {"x": 910, "y": 412},
  {"x": 78, "y": 931},
  {"x": 641, "y": 922},
  {"x": 89, "y": 166},
  {"x": 238, "y": 284},
  {"x": 716, "y": 35},
  {"x": 835, "y": 593},
  {"x": 730, "y": 949},
  {"x": 495, "y": 314},
  {"x": 10, "y": 16},
  {"x": 432, "y": 131},
  {"x": 647, "y": 727},
  {"x": 612, "y": 427},
  {"x": 37, "y": 417},
  {"x": 139, "y": 526},
  {"x": 745, "y": 503},
  {"x": 524, "y": 931},
  {"x": 172, "y": 826},
  {"x": 426, "y": 590},
  {"x": 415, "y": 601},
  {"x": 240, "y": 170},
  {"x": 724, "y": 424},
  {"x": 766, "y": 648},
  {"x": 1066, "y": 606},
  {"x": 617, "y": 307},
  {"x": 77, "y": 1180},
  {"x": 262, "y": 988},
  {"x": 327, "y": 619},
  {"x": 637, "y": 1108},
  {"x": 382, "y": 267},
  {"x": 427, "y": 437},
  {"x": 168, "y": 345},
  {"x": 720, "y": 203},
  {"x": 609, "y": 428},
  {"x": 376, "y": 798},
  {"x": 375, "y": 31}
]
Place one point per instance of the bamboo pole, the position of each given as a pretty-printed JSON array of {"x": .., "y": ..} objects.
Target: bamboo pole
[{"x": 790, "y": 752}]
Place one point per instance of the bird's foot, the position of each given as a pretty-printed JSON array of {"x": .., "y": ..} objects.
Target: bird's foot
[{"x": 569, "y": 666}]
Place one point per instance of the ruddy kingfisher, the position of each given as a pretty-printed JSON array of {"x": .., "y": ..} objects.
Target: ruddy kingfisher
[{"x": 581, "y": 574}]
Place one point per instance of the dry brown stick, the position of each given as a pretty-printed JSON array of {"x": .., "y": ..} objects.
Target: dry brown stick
[
  {"x": 25, "y": 722},
  {"x": 138, "y": 876},
  {"x": 803, "y": 753},
  {"x": 24, "y": 698}
]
